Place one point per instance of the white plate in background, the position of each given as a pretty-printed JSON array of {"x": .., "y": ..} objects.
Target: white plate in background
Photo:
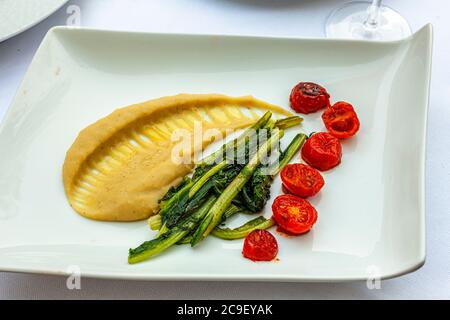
[
  {"x": 17, "y": 16},
  {"x": 371, "y": 211}
]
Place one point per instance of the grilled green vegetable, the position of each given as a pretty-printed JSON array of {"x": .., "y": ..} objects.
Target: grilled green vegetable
[
  {"x": 236, "y": 142},
  {"x": 214, "y": 216},
  {"x": 220, "y": 188},
  {"x": 256, "y": 192},
  {"x": 180, "y": 200},
  {"x": 153, "y": 247}
]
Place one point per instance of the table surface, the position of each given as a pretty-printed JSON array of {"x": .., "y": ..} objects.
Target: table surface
[{"x": 302, "y": 18}]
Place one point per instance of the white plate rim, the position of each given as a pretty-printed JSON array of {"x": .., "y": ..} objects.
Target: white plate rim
[{"x": 33, "y": 23}]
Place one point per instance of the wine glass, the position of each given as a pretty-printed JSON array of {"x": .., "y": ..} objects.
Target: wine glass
[{"x": 366, "y": 21}]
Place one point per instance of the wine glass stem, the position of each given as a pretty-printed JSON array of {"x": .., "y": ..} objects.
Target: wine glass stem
[{"x": 373, "y": 16}]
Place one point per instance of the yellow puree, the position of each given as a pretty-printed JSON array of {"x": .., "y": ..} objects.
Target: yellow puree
[{"x": 119, "y": 167}]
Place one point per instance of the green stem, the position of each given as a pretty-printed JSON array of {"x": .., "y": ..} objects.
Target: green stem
[
  {"x": 167, "y": 205},
  {"x": 163, "y": 230},
  {"x": 289, "y": 153},
  {"x": 288, "y": 122},
  {"x": 201, "y": 181},
  {"x": 155, "y": 222},
  {"x": 239, "y": 140},
  {"x": 231, "y": 211},
  {"x": 259, "y": 223},
  {"x": 153, "y": 247}
]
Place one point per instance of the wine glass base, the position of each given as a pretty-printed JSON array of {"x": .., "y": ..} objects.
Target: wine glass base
[{"x": 348, "y": 22}]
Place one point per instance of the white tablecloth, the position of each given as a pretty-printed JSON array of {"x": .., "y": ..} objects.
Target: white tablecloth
[{"x": 260, "y": 17}]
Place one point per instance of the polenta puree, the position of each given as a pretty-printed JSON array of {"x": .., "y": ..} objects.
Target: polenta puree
[{"x": 119, "y": 167}]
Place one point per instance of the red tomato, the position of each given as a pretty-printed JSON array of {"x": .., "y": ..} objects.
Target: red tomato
[
  {"x": 322, "y": 151},
  {"x": 307, "y": 97},
  {"x": 302, "y": 180},
  {"x": 293, "y": 214},
  {"x": 260, "y": 245},
  {"x": 341, "y": 120}
]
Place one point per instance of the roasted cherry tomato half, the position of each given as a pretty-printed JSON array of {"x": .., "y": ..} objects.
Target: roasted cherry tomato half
[
  {"x": 322, "y": 151},
  {"x": 307, "y": 97},
  {"x": 341, "y": 120},
  {"x": 293, "y": 214},
  {"x": 260, "y": 245},
  {"x": 302, "y": 180}
]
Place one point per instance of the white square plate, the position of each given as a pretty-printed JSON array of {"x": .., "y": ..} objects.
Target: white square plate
[{"x": 371, "y": 211}]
